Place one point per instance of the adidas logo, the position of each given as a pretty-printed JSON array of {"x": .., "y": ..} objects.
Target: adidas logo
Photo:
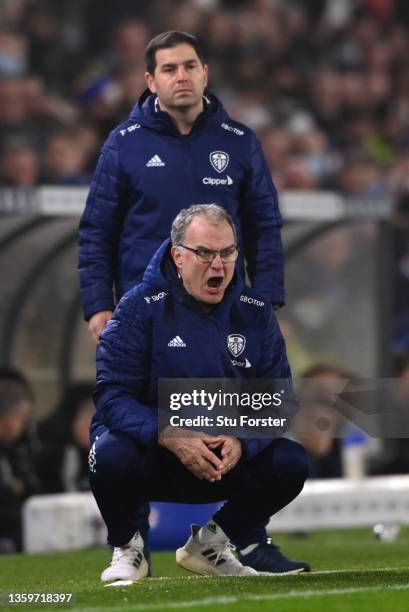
[
  {"x": 177, "y": 342},
  {"x": 213, "y": 556},
  {"x": 154, "y": 162}
]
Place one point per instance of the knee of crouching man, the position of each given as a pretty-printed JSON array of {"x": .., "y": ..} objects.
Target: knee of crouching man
[
  {"x": 294, "y": 461},
  {"x": 299, "y": 465},
  {"x": 114, "y": 456}
]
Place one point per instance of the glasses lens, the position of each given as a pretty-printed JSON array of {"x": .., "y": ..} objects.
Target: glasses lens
[
  {"x": 205, "y": 255},
  {"x": 229, "y": 254}
]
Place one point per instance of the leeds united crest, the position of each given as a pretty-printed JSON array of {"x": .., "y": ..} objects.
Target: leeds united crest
[
  {"x": 236, "y": 344},
  {"x": 219, "y": 160}
]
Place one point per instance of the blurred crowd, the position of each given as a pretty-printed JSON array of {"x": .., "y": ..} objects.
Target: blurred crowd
[
  {"x": 325, "y": 84},
  {"x": 36, "y": 457}
]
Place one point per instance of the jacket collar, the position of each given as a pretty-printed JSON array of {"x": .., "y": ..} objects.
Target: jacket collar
[{"x": 148, "y": 112}]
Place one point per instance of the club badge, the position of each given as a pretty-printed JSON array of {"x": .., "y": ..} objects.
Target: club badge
[
  {"x": 236, "y": 344},
  {"x": 219, "y": 160}
]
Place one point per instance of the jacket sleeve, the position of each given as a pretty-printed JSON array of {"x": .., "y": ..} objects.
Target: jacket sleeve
[
  {"x": 99, "y": 232},
  {"x": 261, "y": 225},
  {"x": 273, "y": 365},
  {"x": 123, "y": 358}
]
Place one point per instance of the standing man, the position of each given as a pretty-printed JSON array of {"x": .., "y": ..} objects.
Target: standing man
[
  {"x": 178, "y": 147},
  {"x": 179, "y": 323}
]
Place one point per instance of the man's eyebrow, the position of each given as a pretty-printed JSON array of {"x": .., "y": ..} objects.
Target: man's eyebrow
[
  {"x": 174, "y": 64},
  {"x": 222, "y": 249}
]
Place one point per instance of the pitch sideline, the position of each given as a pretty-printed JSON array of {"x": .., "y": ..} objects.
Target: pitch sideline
[{"x": 211, "y": 601}]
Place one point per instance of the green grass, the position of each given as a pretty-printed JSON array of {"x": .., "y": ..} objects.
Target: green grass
[{"x": 363, "y": 575}]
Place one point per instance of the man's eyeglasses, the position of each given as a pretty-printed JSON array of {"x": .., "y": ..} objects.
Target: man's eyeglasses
[{"x": 204, "y": 255}]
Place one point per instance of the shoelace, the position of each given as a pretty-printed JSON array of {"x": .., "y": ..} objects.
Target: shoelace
[
  {"x": 226, "y": 551},
  {"x": 129, "y": 553}
]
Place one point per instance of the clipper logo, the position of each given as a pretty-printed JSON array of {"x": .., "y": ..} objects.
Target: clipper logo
[
  {"x": 219, "y": 160},
  {"x": 236, "y": 344},
  {"x": 241, "y": 364},
  {"x": 208, "y": 180}
]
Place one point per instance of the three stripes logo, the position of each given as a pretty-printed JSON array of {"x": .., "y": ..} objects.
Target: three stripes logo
[
  {"x": 213, "y": 556},
  {"x": 137, "y": 559},
  {"x": 154, "y": 162},
  {"x": 177, "y": 342}
]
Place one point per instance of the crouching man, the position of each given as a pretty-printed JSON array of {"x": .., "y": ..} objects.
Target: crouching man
[{"x": 175, "y": 324}]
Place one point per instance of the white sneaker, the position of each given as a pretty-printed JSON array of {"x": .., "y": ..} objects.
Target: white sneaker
[
  {"x": 208, "y": 552},
  {"x": 128, "y": 562}
]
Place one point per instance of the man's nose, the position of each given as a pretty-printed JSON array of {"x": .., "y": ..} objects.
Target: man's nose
[
  {"x": 181, "y": 73},
  {"x": 217, "y": 262}
]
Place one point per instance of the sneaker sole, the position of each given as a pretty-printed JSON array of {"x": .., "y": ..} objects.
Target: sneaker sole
[
  {"x": 301, "y": 570},
  {"x": 197, "y": 566}
]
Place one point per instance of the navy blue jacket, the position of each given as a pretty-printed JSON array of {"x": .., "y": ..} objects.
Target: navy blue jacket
[
  {"x": 148, "y": 172},
  {"x": 136, "y": 348}
]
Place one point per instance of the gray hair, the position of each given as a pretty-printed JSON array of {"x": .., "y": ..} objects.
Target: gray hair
[{"x": 215, "y": 214}]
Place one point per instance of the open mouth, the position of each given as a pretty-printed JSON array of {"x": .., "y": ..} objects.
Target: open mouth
[{"x": 215, "y": 282}]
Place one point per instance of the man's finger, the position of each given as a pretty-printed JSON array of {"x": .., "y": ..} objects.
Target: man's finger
[
  {"x": 212, "y": 442},
  {"x": 203, "y": 470},
  {"x": 212, "y": 459},
  {"x": 209, "y": 473},
  {"x": 227, "y": 449}
]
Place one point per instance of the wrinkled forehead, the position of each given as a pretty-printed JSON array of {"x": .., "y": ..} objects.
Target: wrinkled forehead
[
  {"x": 203, "y": 232},
  {"x": 176, "y": 55}
]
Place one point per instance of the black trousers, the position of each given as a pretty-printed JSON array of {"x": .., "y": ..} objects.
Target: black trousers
[{"x": 126, "y": 475}]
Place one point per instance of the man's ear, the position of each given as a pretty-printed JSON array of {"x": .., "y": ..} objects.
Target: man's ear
[
  {"x": 206, "y": 71},
  {"x": 176, "y": 256},
  {"x": 150, "y": 81}
]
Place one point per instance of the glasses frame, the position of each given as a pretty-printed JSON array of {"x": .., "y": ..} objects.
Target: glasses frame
[{"x": 215, "y": 252}]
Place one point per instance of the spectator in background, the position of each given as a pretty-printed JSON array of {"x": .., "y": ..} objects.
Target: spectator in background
[
  {"x": 318, "y": 425},
  {"x": 63, "y": 462},
  {"x": 101, "y": 23},
  {"x": 64, "y": 160},
  {"x": 13, "y": 54},
  {"x": 18, "y": 479},
  {"x": 19, "y": 164},
  {"x": 362, "y": 176},
  {"x": 130, "y": 40},
  {"x": 100, "y": 100},
  {"x": 14, "y": 116},
  {"x": 50, "y": 52}
]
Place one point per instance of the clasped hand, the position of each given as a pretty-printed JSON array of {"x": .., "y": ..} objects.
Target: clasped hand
[{"x": 195, "y": 451}]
